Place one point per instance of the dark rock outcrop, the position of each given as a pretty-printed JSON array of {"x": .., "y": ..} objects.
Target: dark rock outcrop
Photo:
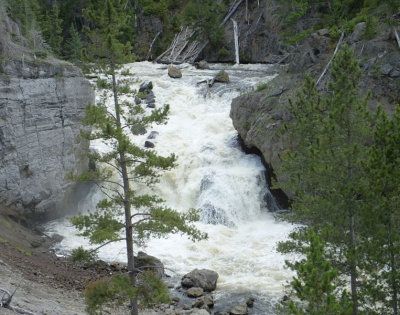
[{"x": 258, "y": 116}]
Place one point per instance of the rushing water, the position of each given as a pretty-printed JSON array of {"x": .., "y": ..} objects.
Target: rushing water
[{"x": 213, "y": 174}]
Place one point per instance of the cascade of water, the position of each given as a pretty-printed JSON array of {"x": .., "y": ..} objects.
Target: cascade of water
[
  {"x": 236, "y": 37},
  {"x": 214, "y": 175}
]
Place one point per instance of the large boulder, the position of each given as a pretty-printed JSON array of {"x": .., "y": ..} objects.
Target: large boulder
[
  {"x": 174, "y": 72},
  {"x": 204, "y": 278},
  {"x": 147, "y": 262},
  {"x": 222, "y": 77}
]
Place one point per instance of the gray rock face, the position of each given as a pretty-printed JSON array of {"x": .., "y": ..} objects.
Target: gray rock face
[
  {"x": 204, "y": 278},
  {"x": 41, "y": 111}
]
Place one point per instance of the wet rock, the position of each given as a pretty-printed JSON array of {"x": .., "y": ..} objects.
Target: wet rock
[
  {"x": 240, "y": 309},
  {"x": 146, "y": 87},
  {"x": 285, "y": 298},
  {"x": 174, "y": 73},
  {"x": 222, "y": 77},
  {"x": 149, "y": 144},
  {"x": 151, "y": 105},
  {"x": 358, "y": 32},
  {"x": 147, "y": 262},
  {"x": 204, "y": 278},
  {"x": 204, "y": 301},
  {"x": 138, "y": 130},
  {"x": 203, "y": 65},
  {"x": 250, "y": 302},
  {"x": 153, "y": 135},
  {"x": 137, "y": 100},
  {"x": 196, "y": 311},
  {"x": 194, "y": 292},
  {"x": 36, "y": 243}
]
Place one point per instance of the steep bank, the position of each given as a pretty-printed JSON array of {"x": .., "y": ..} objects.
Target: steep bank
[
  {"x": 258, "y": 116},
  {"x": 42, "y": 103}
]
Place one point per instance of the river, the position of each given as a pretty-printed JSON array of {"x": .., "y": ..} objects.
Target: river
[{"x": 214, "y": 175}]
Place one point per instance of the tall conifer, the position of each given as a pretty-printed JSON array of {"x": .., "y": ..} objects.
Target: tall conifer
[{"x": 124, "y": 210}]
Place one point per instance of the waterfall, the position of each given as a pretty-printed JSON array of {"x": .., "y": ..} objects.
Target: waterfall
[
  {"x": 213, "y": 175},
  {"x": 236, "y": 37}
]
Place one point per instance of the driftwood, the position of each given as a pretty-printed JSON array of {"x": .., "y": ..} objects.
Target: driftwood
[
  {"x": 397, "y": 37},
  {"x": 5, "y": 302},
  {"x": 151, "y": 46},
  {"x": 333, "y": 56}
]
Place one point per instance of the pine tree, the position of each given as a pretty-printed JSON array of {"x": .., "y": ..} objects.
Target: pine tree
[
  {"x": 326, "y": 171},
  {"x": 383, "y": 172},
  {"x": 124, "y": 210},
  {"x": 73, "y": 46},
  {"x": 316, "y": 284},
  {"x": 51, "y": 26}
]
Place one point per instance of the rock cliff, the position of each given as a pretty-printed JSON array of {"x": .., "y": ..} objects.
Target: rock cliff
[
  {"x": 258, "y": 116},
  {"x": 42, "y": 105}
]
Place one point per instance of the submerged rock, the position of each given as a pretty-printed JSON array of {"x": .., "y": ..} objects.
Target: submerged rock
[
  {"x": 149, "y": 144},
  {"x": 240, "y": 309}
]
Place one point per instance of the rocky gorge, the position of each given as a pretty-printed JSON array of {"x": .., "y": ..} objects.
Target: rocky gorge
[{"x": 42, "y": 102}]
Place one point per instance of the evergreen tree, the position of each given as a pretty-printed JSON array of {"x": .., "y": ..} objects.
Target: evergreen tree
[
  {"x": 327, "y": 174},
  {"x": 138, "y": 216},
  {"x": 73, "y": 46},
  {"x": 383, "y": 170},
  {"x": 316, "y": 284},
  {"x": 51, "y": 26}
]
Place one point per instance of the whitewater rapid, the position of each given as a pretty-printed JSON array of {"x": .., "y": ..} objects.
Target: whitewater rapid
[{"x": 213, "y": 174}]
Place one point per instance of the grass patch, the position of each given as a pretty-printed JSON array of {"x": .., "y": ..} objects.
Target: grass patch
[
  {"x": 24, "y": 251},
  {"x": 261, "y": 86},
  {"x": 3, "y": 240}
]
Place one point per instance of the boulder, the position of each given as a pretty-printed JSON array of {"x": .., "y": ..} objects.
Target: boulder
[
  {"x": 147, "y": 262},
  {"x": 240, "y": 309},
  {"x": 203, "y": 65},
  {"x": 250, "y": 302},
  {"x": 195, "y": 311},
  {"x": 324, "y": 32},
  {"x": 222, "y": 77},
  {"x": 146, "y": 86},
  {"x": 358, "y": 32},
  {"x": 204, "y": 301},
  {"x": 174, "y": 72},
  {"x": 153, "y": 135},
  {"x": 204, "y": 278},
  {"x": 149, "y": 144},
  {"x": 194, "y": 292}
]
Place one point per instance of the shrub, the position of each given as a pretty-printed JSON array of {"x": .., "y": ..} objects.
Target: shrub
[{"x": 81, "y": 254}]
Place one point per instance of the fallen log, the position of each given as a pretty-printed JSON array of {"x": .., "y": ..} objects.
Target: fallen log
[{"x": 333, "y": 56}]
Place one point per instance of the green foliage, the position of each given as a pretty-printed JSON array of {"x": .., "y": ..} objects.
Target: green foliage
[
  {"x": 74, "y": 46},
  {"x": 261, "y": 86},
  {"x": 206, "y": 15},
  {"x": 51, "y": 26},
  {"x": 325, "y": 171},
  {"x": 103, "y": 84},
  {"x": 116, "y": 290},
  {"x": 158, "y": 8},
  {"x": 316, "y": 283},
  {"x": 81, "y": 254}
]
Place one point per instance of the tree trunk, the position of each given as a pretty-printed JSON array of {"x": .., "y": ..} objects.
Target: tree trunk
[
  {"x": 127, "y": 205},
  {"x": 353, "y": 266},
  {"x": 393, "y": 270}
]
